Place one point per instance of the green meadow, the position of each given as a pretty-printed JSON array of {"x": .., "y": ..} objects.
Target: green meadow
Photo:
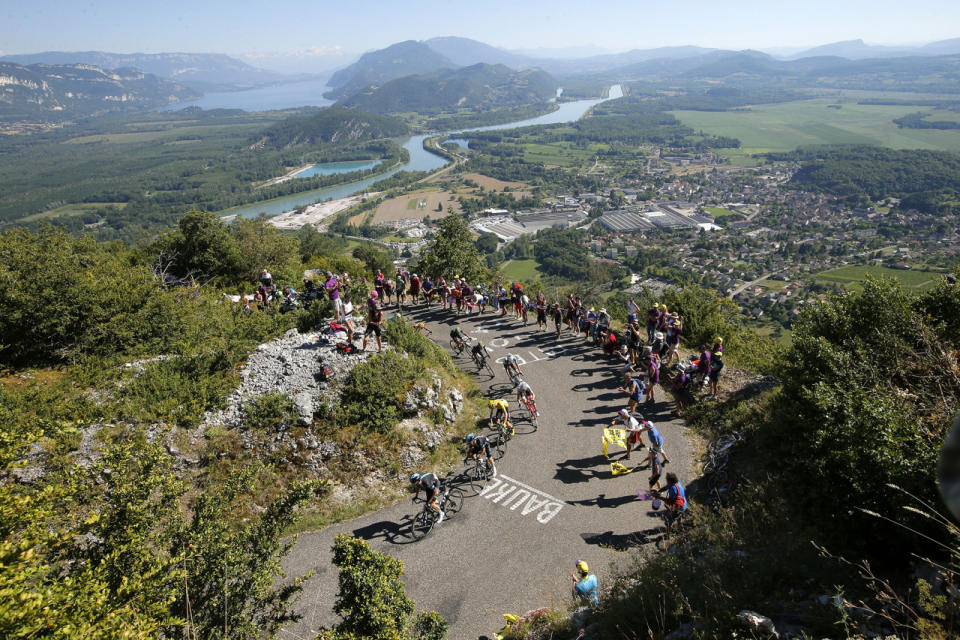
[
  {"x": 851, "y": 277},
  {"x": 785, "y": 126}
]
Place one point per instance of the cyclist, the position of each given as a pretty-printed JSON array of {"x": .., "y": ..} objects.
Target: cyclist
[
  {"x": 430, "y": 484},
  {"x": 585, "y": 584},
  {"x": 511, "y": 364},
  {"x": 500, "y": 414},
  {"x": 480, "y": 353},
  {"x": 524, "y": 389},
  {"x": 457, "y": 335},
  {"x": 632, "y": 427},
  {"x": 478, "y": 445}
]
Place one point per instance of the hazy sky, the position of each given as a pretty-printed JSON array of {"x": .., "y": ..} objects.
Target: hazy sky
[{"x": 316, "y": 27}]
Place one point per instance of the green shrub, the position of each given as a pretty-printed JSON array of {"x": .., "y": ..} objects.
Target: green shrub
[
  {"x": 403, "y": 336},
  {"x": 271, "y": 412},
  {"x": 315, "y": 317},
  {"x": 373, "y": 392},
  {"x": 179, "y": 390},
  {"x": 859, "y": 409},
  {"x": 371, "y": 599}
]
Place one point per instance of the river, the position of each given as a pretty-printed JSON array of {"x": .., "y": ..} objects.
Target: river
[{"x": 420, "y": 159}]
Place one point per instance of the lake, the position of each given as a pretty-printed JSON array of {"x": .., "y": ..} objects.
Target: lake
[
  {"x": 420, "y": 159},
  {"x": 280, "y": 96},
  {"x": 331, "y": 168}
]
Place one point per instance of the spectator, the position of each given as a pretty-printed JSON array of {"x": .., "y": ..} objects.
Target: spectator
[
  {"x": 585, "y": 584},
  {"x": 333, "y": 287}
]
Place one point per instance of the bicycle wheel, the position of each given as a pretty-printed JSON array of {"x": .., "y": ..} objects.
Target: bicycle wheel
[
  {"x": 422, "y": 524},
  {"x": 532, "y": 408},
  {"x": 486, "y": 365},
  {"x": 453, "y": 503},
  {"x": 454, "y": 346}
]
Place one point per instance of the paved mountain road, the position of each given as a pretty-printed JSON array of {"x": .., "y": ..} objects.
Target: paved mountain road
[{"x": 513, "y": 547}]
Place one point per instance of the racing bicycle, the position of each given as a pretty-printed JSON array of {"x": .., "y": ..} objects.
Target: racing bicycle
[{"x": 450, "y": 500}]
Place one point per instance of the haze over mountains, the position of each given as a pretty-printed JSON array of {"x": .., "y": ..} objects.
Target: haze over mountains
[{"x": 453, "y": 72}]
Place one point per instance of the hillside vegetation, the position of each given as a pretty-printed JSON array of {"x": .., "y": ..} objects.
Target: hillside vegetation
[
  {"x": 128, "y": 511},
  {"x": 925, "y": 180},
  {"x": 478, "y": 86},
  {"x": 335, "y": 125}
]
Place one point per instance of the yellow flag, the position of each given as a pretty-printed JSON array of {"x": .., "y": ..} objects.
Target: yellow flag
[
  {"x": 614, "y": 436},
  {"x": 618, "y": 469}
]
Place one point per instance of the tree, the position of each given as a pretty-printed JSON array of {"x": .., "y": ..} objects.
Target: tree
[
  {"x": 487, "y": 242},
  {"x": 452, "y": 252},
  {"x": 371, "y": 599},
  {"x": 374, "y": 258},
  {"x": 203, "y": 247}
]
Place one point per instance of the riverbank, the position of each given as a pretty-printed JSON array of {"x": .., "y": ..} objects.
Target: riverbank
[
  {"x": 287, "y": 176},
  {"x": 318, "y": 212}
]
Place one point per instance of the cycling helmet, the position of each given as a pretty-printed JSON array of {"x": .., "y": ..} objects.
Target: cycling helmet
[
  {"x": 470, "y": 436},
  {"x": 582, "y": 567},
  {"x": 414, "y": 477},
  {"x": 490, "y": 404}
]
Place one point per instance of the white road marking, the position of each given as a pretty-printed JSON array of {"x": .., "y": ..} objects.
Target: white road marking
[{"x": 506, "y": 492}]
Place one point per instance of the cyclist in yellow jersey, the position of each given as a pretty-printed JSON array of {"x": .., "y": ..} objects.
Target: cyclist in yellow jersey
[{"x": 500, "y": 413}]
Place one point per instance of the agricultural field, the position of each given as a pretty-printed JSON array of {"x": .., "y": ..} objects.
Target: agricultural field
[
  {"x": 785, "y": 126},
  {"x": 523, "y": 270},
  {"x": 851, "y": 276},
  {"x": 416, "y": 205},
  {"x": 562, "y": 154},
  {"x": 519, "y": 189}
]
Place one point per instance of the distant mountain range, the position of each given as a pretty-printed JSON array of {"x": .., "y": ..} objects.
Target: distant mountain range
[
  {"x": 201, "y": 71},
  {"x": 858, "y": 50},
  {"x": 377, "y": 67},
  {"x": 61, "y": 92},
  {"x": 477, "y": 86}
]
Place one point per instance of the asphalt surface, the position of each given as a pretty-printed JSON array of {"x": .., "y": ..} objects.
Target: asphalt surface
[{"x": 514, "y": 544}]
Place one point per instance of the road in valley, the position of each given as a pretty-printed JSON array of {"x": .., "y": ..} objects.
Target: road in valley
[{"x": 513, "y": 546}]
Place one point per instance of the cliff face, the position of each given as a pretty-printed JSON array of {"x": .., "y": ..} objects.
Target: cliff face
[{"x": 65, "y": 91}]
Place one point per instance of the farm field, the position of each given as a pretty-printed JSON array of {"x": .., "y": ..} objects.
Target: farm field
[
  {"x": 416, "y": 205},
  {"x": 851, "y": 277},
  {"x": 523, "y": 270},
  {"x": 561, "y": 154},
  {"x": 783, "y": 127},
  {"x": 519, "y": 189}
]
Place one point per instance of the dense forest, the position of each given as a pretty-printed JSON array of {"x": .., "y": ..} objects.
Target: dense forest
[{"x": 928, "y": 181}]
